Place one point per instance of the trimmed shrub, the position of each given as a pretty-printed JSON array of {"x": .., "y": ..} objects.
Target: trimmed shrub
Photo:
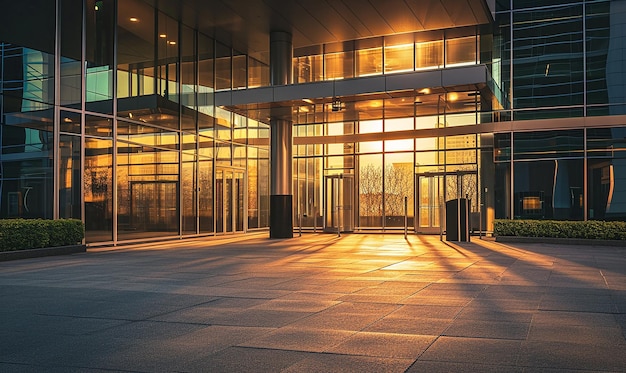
[
  {"x": 593, "y": 229},
  {"x": 21, "y": 234}
]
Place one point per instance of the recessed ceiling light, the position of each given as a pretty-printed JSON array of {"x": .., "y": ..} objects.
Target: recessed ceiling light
[
  {"x": 163, "y": 36},
  {"x": 133, "y": 19},
  {"x": 171, "y": 42}
]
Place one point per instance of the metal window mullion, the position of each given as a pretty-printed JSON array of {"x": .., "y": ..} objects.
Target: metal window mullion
[
  {"x": 585, "y": 177},
  {"x": 56, "y": 136},
  {"x": 114, "y": 193},
  {"x": 83, "y": 106}
]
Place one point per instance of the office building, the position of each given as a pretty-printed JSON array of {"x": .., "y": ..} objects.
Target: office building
[{"x": 171, "y": 119}]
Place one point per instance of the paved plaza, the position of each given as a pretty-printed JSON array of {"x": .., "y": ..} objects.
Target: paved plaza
[{"x": 317, "y": 303}]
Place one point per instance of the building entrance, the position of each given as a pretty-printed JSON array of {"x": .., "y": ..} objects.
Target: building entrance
[
  {"x": 339, "y": 203},
  {"x": 229, "y": 200},
  {"x": 433, "y": 189}
]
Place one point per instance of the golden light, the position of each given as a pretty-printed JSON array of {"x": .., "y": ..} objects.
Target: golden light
[
  {"x": 452, "y": 96},
  {"x": 162, "y": 36},
  {"x": 424, "y": 91},
  {"x": 171, "y": 42},
  {"x": 133, "y": 19}
]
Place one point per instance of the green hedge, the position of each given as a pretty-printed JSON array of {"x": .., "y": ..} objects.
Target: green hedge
[
  {"x": 21, "y": 234},
  {"x": 603, "y": 230}
]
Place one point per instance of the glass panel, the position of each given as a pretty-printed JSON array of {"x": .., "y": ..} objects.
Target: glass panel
[
  {"x": 258, "y": 74},
  {"x": 549, "y": 189},
  {"x": 223, "y": 69},
  {"x": 188, "y": 79},
  {"x": 370, "y": 190},
  {"x": 429, "y": 55},
  {"x": 98, "y": 126},
  {"x": 240, "y": 70},
  {"x": 461, "y": 51},
  {"x": 607, "y": 164},
  {"x": 205, "y": 81},
  {"x": 308, "y": 69},
  {"x": 548, "y": 144},
  {"x": 189, "y": 187},
  {"x": 369, "y": 61},
  {"x": 239, "y": 192},
  {"x": 205, "y": 195},
  {"x": 398, "y": 184},
  {"x": 69, "y": 177},
  {"x": 167, "y": 62},
  {"x": 70, "y": 122},
  {"x": 339, "y": 65},
  {"x": 398, "y": 58},
  {"x": 548, "y": 58},
  {"x": 27, "y": 168},
  {"x": 148, "y": 187},
  {"x": 98, "y": 190},
  {"x": 135, "y": 56},
  {"x": 71, "y": 45},
  {"x": 99, "y": 75}
]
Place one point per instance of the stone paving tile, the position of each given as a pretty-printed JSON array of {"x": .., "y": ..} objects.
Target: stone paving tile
[
  {"x": 244, "y": 359},
  {"x": 473, "y": 350},
  {"x": 584, "y": 356},
  {"x": 386, "y": 345},
  {"x": 413, "y": 325},
  {"x": 487, "y": 329},
  {"x": 447, "y": 367},
  {"x": 317, "y": 303},
  {"x": 324, "y": 363},
  {"x": 300, "y": 339}
]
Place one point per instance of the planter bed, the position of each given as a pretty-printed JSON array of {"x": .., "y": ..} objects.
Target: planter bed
[
  {"x": 561, "y": 241},
  {"x": 46, "y": 251}
]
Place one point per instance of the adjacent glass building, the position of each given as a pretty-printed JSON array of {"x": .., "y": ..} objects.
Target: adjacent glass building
[{"x": 178, "y": 119}]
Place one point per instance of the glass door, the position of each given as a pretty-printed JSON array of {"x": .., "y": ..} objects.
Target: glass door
[
  {"x": 339, "y": 203},
  {"x": 429, "y": 203},
  {"x": 229, "y": 200}
]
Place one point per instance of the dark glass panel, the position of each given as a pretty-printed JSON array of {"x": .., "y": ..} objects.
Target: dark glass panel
[
  {"x": 549, "y": 189},
  {"x": 240, "y": 70},
  {"x": 26, "y": 172},
  {"x": 548, "y": 57},
  {"x": 70, "y": 170},
  {"x": 70, "y": 122},
  {"x": 167, "y": 60},
  {"x": 548, "y": 144},
  {"x": 606, "y": 169}
]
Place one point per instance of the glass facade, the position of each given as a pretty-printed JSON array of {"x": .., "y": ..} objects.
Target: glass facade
[
  {"x": 113, "y": 120},
  {"x": 119, "y": 127}
]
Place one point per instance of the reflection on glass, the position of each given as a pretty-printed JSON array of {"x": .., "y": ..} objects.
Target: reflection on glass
[
  {"x": 371, "y": 190},
  {"x": 369, "y": 61},
  {"x": 69, "y": 177},
  {"x": 99, "y": 58},
  {"x": 98, "y": 190},
  {"x": 429, "y": 55},
  {"x": 339, "y": 65},
  {"x": 147, "y": 185},
  {"x": 308, "y": 69},
  {"x": 398, "y": 58},
  {"x": 398, "y": 184},
  {"x": 461, "y": 51}
]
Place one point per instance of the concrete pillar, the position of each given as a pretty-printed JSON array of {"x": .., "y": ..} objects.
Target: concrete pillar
[{"x": 281, "y": 144}]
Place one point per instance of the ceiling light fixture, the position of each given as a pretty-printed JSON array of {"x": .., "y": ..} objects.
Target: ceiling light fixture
[
  {"x": 162, "y": 36},
  {"x": 133, "y": 19}
]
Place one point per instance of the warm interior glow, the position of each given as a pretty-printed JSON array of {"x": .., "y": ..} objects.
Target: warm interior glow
[
  {"x": 133, "y": 19},
  {"x": 163, "y": 36},
  {"x": 531, "y": 203}
]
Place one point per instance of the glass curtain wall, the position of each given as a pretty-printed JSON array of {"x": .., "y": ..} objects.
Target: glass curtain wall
[{"x": 129, "y": 122}]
